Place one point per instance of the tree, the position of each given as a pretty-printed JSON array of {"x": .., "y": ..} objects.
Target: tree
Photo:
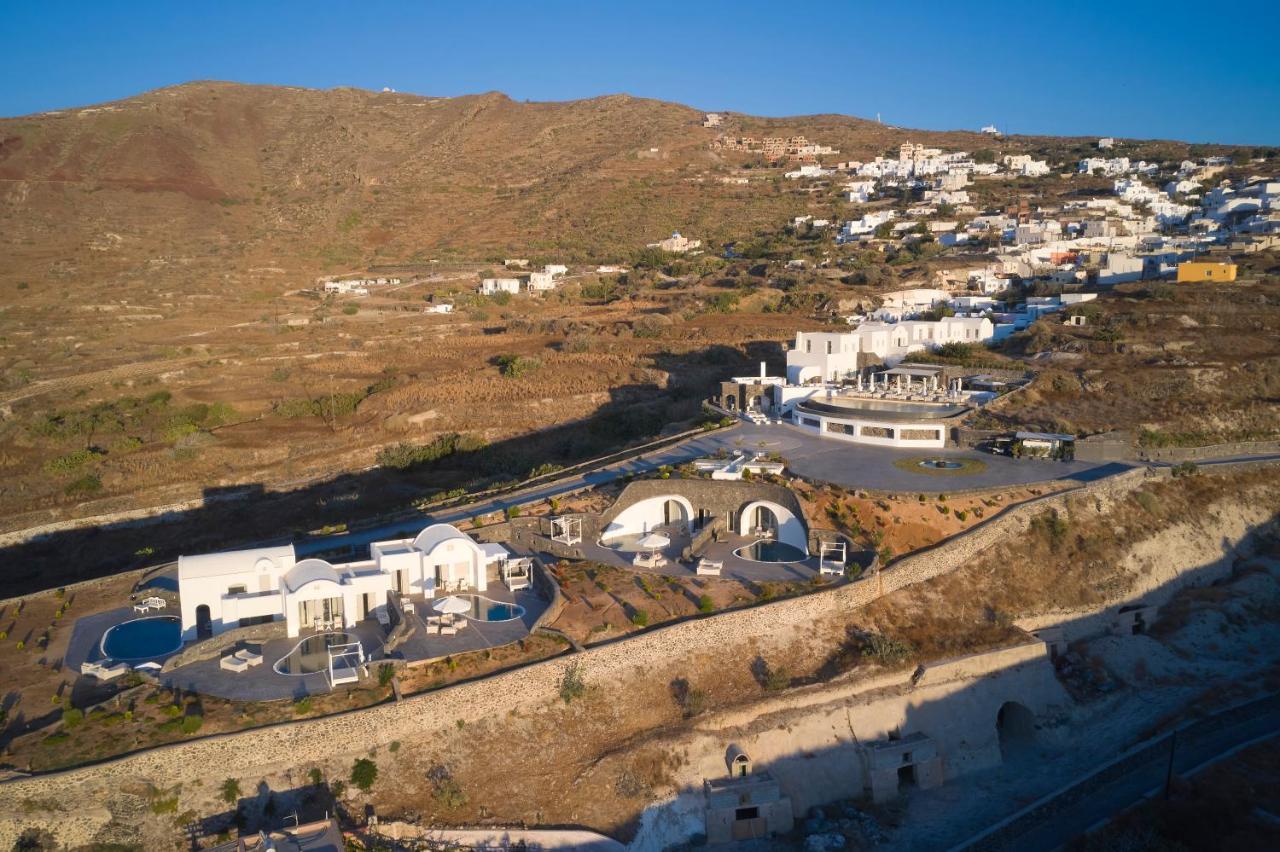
[{"x": 364, "y": 772}]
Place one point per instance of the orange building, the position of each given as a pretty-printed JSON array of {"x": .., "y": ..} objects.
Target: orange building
[{"x": 1195, "y": 271}]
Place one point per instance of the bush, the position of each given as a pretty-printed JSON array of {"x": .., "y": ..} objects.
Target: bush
[
  {"x": 1052, "y": 527},
  {"x": 192, "y": 723},
  {"x": 85, "y": 486},
  {"x": 515, "y": 366},
  {"x": 364, "y": 772},
  {"x": 705, "y": 603},
  {"x": 350, "y": 310},
  {"x": 571, "y": 683},
  {"x": 70, "y": 462},
  {"x": 231, "y": 791},
  {"x": 404, "y": 456},
  {"x": 72, "y": 718},
  {"x": 886, "y": 649},
  {"x": 386, "y": 673}
]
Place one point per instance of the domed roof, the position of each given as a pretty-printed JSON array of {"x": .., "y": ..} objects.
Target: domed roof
[
  {"x": 310, "y": 571},
  {"x": 436, "y": 534}
]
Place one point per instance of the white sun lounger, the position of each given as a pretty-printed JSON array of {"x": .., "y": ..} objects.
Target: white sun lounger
[
  {"x": 707, "y": 567},
  {"x": 103, "y": 672},
  {"x": 241, "y": 660}
]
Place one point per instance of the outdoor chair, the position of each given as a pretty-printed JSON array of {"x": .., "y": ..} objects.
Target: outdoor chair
[
  {"x": 233, "y": 663},
  {"x": 448, "y": 630}
]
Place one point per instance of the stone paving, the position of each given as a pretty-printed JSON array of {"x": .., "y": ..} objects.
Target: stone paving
[{"x": 264, "y": 683}]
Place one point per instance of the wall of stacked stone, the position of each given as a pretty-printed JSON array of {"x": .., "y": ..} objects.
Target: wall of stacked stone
[
  {"x": 1215, "y": 451},
  {"x": 266, "y": 751}
]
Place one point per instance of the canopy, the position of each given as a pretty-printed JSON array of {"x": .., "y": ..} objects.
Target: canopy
[
  {"x": 653, "y": 541},
  {"x": 452, "y": 605}
]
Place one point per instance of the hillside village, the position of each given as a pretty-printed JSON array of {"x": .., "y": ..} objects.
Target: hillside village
[{"x": 911, "y": 477}]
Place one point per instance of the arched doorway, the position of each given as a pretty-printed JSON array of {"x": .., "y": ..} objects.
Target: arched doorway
[
  {"x": 1016, "y": 727},
  {"x": 673, "y": 514},
  {"x": 731, "y": 402},
  {"x": 204, "y": 623},
  {"x": 764, "y": 522},
  {"x": 757, "y": 403}
]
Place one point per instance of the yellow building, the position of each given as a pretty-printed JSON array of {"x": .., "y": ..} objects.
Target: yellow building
[{"x": 1192, "y": 271}]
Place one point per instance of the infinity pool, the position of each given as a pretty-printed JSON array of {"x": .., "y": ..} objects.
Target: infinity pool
[
  {"x": 483, "y": 609},
  {"x": 142, "y": 639},
  {"x": 765, "y": 550},
  {"x": 312, "y": 654}
]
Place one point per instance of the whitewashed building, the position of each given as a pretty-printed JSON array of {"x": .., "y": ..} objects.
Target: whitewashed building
[
  {"x": 491, "y": 286},
  {"x": 240, "y": 588}
]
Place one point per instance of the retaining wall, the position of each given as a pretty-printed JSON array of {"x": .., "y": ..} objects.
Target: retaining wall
[{"x": 258, "y": 753}]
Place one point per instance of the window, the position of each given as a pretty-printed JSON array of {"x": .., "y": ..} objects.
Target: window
[
  {"x": 828, "y": 347},
  {"x": 250, "y": 621},
  {"x": 808, "y": 346},
  {"x": 746, "y": 813},
  {"x": 236, "y": 590}
]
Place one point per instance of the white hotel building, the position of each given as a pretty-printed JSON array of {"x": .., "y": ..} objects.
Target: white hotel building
[
  {"x": 239, "y": 588},
  {"x": 832, "y": 356}
]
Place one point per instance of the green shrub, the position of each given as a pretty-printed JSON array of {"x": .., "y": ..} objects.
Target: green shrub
[
  {"x": 192, "y": 723},
  {"x": 1052, "y": 527},
  {"x": 403, "y": 456},
  {"x": 571, "y": 683},
  {"x": 364, "y": 772},
  {"x": 84, "y": 486},
  {"x": 302, "y": 706},
  {"x": 885, "y": 649},
  {"x": 386, "y": 673},
  {"x": 70, "y": 462},
  {"x": 350, "y": 310},
  {"x": 72, "y": 717},
  {"x": 640, "y": 618},
  {"x": 55, "y": 738},
  {"x": 705, "y": 603},
  {"x": 515, "y": 366},
  {"x": 231, "y": 791}
]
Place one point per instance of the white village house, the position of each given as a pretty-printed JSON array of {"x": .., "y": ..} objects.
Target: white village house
[{"x": 239, "y": 588}]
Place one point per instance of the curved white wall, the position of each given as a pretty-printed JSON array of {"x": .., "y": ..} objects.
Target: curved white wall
[
  {"x": 640, "y": 517},
  {"x": 791, "y": 530},
  {"x": 799, "y": 418}
]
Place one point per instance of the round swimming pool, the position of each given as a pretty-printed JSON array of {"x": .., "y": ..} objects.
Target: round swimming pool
[
  {"x": 766, "y": 550},
  {"x": 483, "y": 609},
  {"x": 142, "y": 639},
  {"x": 312, "y": 654}
]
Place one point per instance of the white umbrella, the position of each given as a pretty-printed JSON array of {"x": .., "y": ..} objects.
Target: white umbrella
[
  {"x": 653, "y": 541},
  {"x": 452, "y": 605}
]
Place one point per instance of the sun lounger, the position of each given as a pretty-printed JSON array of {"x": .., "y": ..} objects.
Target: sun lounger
[
  {"x": 233, "y": 663},
  {"x": 708, "y": 568},
  {"x": 408, "y": 606},
  {"x": 253, "y": 658},
  {"x": 448, "y": 630},
  {"x": 105, "y": 672}
]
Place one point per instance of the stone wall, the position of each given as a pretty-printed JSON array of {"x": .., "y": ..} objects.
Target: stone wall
[
  {"x": 263, "y": 752},
  {"x": 1213, "y": 451}
]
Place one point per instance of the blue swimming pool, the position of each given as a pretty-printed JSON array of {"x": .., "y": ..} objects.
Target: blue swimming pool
[
  {"x": 142, "y": 639},
  {"x": 483, "y": 609},
  {"x": 770, "y": 551},
  {"x": 312, "y": 654}
]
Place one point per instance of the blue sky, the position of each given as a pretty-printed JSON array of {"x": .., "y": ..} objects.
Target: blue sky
[{"x": 1171, "y": 69}]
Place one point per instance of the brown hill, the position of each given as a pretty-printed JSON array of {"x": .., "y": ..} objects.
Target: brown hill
[{"x": 344, "y": 178}]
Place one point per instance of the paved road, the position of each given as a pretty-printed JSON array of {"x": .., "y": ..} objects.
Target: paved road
[
  {"x": 1106, "y": 800},
  {"x": 838, "y": 462}
]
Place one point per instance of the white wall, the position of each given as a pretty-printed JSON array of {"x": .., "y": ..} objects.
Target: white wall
[{"x": 640, "y": 517}]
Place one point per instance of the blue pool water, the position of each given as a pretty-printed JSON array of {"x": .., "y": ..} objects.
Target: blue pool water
[
  {"x": 312, "y": 654},
  {"x": 483, "y": 609},
  {"x": 770, "y": 551},
  {"x": 142, "y": 639}
]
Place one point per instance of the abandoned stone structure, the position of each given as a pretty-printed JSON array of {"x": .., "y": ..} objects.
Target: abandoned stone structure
[
  {"x": 746, "y": 804},
  {"x": 891, "y": 764}
]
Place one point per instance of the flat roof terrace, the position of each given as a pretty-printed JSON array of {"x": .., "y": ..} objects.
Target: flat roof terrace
[{"x": 886, "y": 410}]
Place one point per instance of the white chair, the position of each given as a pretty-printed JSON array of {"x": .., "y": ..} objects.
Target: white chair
[
  {"x": 233, "y": 663},
  {"x": 708, "y": 568}
]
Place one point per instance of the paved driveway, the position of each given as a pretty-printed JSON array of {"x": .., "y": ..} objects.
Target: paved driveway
[{"x": 823, "y": 459}]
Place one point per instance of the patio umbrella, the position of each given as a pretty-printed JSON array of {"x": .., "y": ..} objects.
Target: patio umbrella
[
  {"x": 653, "y": 541},
  {"x": 452, "y": 605}
]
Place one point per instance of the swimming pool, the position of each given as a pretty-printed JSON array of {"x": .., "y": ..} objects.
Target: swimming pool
[
  {"x": 765, "y": 550},
  {"x": 483, "y": 609},
  {"x": 142, "y": 639},
  {"x": 312, "y": 654}
]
